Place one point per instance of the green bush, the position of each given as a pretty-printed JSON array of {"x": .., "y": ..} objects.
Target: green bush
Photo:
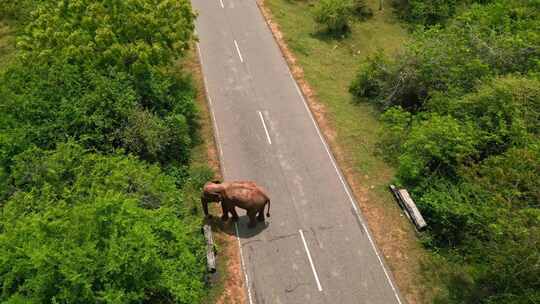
[
  {"x": 513, "y": 275},
  {"x": 507, "y": 273},
  {"x": 169, "y": 91},
  {"x": 438, "y": 145},
  {"x": 428, "y": 12},
  {"x": 334, "y": 15},
  {"x": 361, "y": 10},
  {"x": 155, "y": 139},
  {"x": 83, "y": 69},
  {"x": 456, "y": 212},
  {"x": 474, "y": 173},
  {"x": 436, "y": 61},
  {"x": 83, "y": 227},
  {"x": 512, "y": 177},
  {"x": 393, "y": 133},
  {"x": 371, "y": 77}
]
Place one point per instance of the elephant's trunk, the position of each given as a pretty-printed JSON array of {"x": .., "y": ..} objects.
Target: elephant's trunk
[{"x": 204, "y": 204}]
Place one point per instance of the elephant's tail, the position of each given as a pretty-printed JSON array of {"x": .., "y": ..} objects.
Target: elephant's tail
[{"x": 268, "y": 211}]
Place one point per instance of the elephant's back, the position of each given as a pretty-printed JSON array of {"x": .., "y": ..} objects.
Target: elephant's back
[{"x": 247, "y": 194}]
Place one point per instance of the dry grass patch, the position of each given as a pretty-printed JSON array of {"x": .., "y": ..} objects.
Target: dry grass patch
[{"x": 7, "y": 44}]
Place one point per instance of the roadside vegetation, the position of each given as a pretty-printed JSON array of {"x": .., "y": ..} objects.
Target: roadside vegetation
[
  {"x": 98, "y": 133},
  {"x": 431, "y": 12},
  {"x": 449, "y": 111},
  {"x": 461, "y": 123}
]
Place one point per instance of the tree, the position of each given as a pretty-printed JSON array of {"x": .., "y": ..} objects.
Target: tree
[{"x": 334, "y": 15}]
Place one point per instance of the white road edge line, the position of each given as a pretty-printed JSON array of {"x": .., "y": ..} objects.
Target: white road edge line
[
  {"x": 243, "y": 264},
  {"x": 210, "y": 103},
  {"x": 238, "y": 50},
  {"x": 215, "y": 127},
  {"x": 221, "y": 2},
  {"x": 310, "y": 260},
  {"x": 265, "y": 129},
  {"x": 346, "y": 188}
]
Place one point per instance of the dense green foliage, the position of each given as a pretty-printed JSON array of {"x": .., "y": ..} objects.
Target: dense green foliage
[
  {"x": 92, "y": 71},
  {"x": 100, "y": 109},
  {"x": 462, "y": 123},
  {"x": 88, "y": 228},
  {"x": 96, "y": 131},
  {"x": 131, "y": 35},
  {"x": 430, "y": 12}
]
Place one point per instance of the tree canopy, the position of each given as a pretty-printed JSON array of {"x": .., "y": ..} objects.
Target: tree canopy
[
  {"x": 84, "y": 227},
  {"x": 97, "y": 126}
]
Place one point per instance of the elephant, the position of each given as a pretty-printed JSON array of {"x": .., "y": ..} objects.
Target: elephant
[{"x": 244, "y": 194}]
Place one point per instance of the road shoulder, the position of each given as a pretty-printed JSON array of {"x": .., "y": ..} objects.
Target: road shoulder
[{"x": 228, "y": 286}]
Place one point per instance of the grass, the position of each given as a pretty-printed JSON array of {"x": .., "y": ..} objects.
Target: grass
[
  {"x": 329, "y": 65},
  {"x": 201, "y": 155}
]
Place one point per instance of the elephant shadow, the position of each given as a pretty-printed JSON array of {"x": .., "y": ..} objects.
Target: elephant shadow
[{"x": 244, "y": 232}]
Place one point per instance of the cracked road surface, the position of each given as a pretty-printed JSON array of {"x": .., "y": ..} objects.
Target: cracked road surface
[{"x": 315, "y": 248}]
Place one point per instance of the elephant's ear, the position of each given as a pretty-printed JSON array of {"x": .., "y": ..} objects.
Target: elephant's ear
[{"x": 217, "y": 193}]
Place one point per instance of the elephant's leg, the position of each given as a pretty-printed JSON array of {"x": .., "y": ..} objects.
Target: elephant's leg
[
  {"x": 225, "y": 209},
  {"x": 225, "y": 217},
  {"x": 260, "y": 217},
  {"x": 252, "y": 213},
  {"x": 234, "y": 214}
]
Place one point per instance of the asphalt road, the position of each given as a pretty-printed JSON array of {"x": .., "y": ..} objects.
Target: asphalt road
[{"x": 315, "y": 247}]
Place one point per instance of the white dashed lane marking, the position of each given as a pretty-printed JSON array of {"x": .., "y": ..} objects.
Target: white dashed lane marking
[
  {"x": 265, "y": 129},
  {"x": 310, "y": 261},
  {"x": 238, "y": 50}
]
